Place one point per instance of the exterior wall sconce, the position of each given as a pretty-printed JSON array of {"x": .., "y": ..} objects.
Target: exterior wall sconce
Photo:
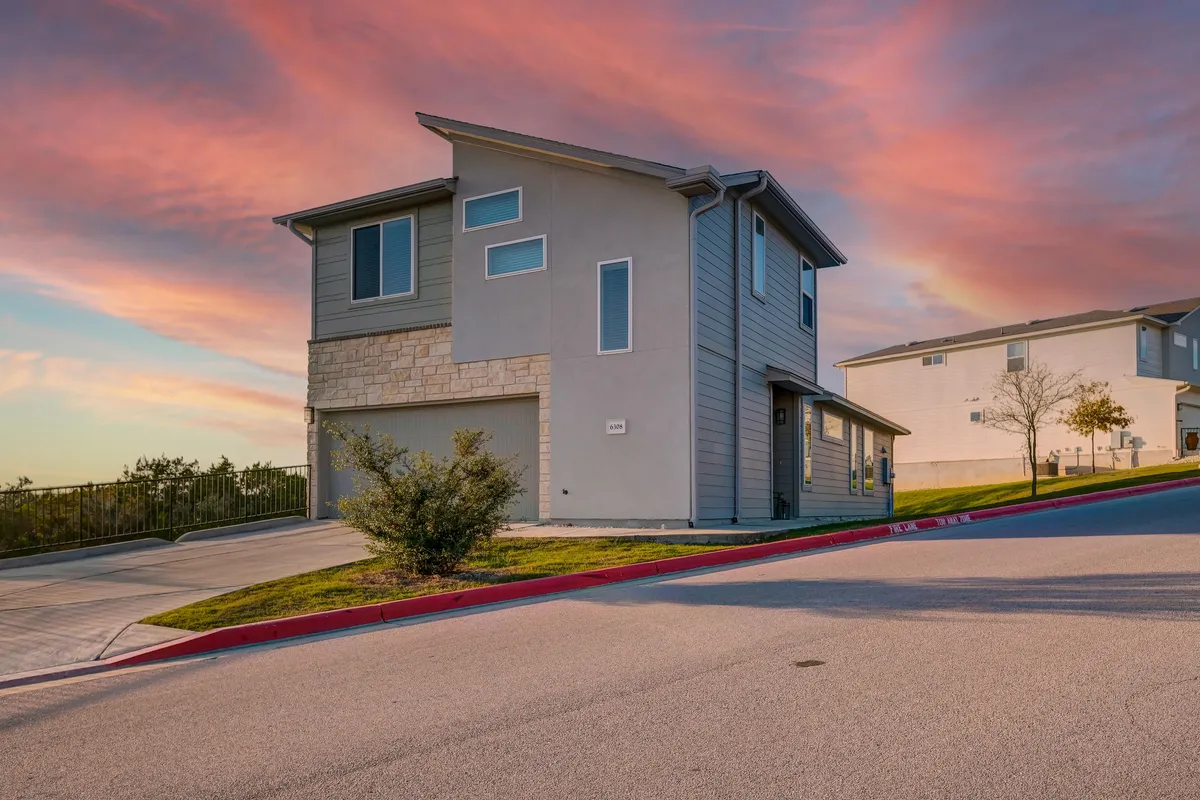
[
  {"x": 310, "y": 415},
  {"x": 781, "y": 416}
]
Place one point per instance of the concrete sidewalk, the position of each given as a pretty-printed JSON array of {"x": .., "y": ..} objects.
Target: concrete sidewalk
[{"x": 63, "y": 613}]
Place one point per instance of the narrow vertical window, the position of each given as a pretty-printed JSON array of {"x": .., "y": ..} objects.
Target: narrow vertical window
[
  {"x": 616, "y": 304},
  {"x": 808, "y": 434},
  {"x": 808, "y": 295},
  {"x": 868, "y": 460},
  {"x": 760, "y": 256},
  {"x": 854, "y": 456},
  {"x": 1144, "y": 343},
  {"x": 1195, "y": 354}
]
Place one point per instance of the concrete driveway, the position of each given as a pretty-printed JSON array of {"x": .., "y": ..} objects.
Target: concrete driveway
[
  {"x": 73, "y": 611},
  {"x": 1046, "y": 656}
]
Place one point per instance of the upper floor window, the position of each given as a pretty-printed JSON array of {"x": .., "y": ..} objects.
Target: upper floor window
[
  {"x": 616, "y": 304},
  {"x": 490, "y": 210},
  {"x": 759, "y": 254},
  {"x": 1195, "y": 354},
  {"x": 383, "y": 256},
  {"x": 1180, "y": 340},
  {"x": 808, "y": 294},
  {"x": 1015, "y": 351},
  {"x": 511, "y": 258},
  {"x": 1143, "y": 343},
  {"x": 933, "y": 360}
]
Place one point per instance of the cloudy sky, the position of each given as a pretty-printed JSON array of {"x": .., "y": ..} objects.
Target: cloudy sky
[{"x": 979, "y": 162}]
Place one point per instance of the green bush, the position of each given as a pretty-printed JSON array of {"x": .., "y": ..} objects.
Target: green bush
[{"x": 425, "y": 515}]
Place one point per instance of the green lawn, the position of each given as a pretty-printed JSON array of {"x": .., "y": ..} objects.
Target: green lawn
[
  {"x": 504, "y": 560},
  {"x": 371, "y": 581}
]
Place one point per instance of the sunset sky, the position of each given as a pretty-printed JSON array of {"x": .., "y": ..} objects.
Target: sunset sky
[{"x": 978, "y": 162}]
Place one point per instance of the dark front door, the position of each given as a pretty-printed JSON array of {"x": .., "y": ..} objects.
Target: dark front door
[{"x": 783, "y": 453}]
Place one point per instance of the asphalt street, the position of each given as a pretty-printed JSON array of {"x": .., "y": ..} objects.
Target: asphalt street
[{"x": 1054, "y": 655}]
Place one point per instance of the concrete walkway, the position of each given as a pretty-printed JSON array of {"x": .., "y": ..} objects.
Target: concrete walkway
[{"x": 73, "y": 611}]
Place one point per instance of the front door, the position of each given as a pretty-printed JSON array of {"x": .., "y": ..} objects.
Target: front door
[{"x": 783, "y": 454}]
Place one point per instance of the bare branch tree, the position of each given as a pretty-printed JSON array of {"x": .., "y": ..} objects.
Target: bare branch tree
[{"x": 1025, "y": 401}]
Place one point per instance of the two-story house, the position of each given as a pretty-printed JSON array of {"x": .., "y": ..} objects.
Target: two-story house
[
  {"x": 642, "y": 337},
  {"x": 940, "y": 388}
]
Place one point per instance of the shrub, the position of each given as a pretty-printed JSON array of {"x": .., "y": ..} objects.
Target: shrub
[{"x": 425, "y": 515}]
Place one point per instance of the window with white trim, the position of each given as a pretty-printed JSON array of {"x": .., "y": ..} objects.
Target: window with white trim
[
  {"x": 933, "y": 360},
  {"x": 615, "y": 287},
  {"x": 1196, "y": 354},
  {"x": 808, "y": 295},
  {"x": 759, "y": 257},
  {"x": 832, "y": 427},
  {"x": 868, "y": 461},
  {"x": 854, "y": 457},
  {"x": 513, "y": 258},
  {"x": 1144, "y": 343},
  {"x": 491, "y": 210},
  {"x": 808, "y": 434},
  {"x": 1015, "y": 353},
  {"x": 384, "y": 260},
  {"x": 976, "y": 417}
]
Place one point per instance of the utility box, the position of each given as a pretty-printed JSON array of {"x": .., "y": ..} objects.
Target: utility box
[{"x": 1047, "y": 469}]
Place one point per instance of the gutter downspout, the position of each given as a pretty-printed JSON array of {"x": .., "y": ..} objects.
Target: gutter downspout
[
  {"x": 312, "y": 246},
  {"x": 692, "y": 336},
  {"x": 737, "y": 344}
]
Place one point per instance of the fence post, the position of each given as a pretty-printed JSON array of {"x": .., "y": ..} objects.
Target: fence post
[
  {"x": 80, "y": 516},
  {"x": 171, "y": 510}
]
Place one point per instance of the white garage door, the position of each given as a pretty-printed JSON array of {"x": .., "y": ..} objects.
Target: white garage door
[{"x": 513, "y": 424}]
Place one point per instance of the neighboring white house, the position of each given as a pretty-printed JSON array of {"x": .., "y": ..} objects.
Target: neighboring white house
[{"x": 939, "y": 389}]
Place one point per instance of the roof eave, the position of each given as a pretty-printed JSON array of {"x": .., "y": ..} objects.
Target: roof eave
[
  {"x": 854, "y": 408},
  {"x": 413, "y": 194},
  {"x": 821, "y": 248}
]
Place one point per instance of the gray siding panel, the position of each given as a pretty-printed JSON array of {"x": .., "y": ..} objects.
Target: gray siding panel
[
  {"x": 829, "y": 495},
  {"x": 1178, "y": 360},
  {"x": 1152, "y": 365},
  {"x": 337, "y": 316}
]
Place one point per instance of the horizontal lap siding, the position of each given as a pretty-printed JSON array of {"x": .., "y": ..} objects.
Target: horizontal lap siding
[
  {"x": 829, "y": 495},
  {"x": 714, "y": 363},
  {"x": 337, "y": 316}
]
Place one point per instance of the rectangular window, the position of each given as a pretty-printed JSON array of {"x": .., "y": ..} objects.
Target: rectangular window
[
  {"x": 808, "y": 434},
  {"x": 512, "y": 258},
  {"x": 854, "y": 458},
  {"x": 490, "y": 210},
  {"x": 759, "y": 255},
  {"x": 832, "y": 427},
  {"x": 1195, "y": 354},
  {"x": 616, "y": 302},
  {"x": 1144, "y": 343},
  {"x": 1016, "y": 356},
  {"x": 383, "y": 257},
  {"x": 868, "y": 460},
  {"x": 1180, "y": 340},
  {"x": 808, "y": 295},
  {"x": 976, "y": 417},
  {"x": 933, "y": 360}
]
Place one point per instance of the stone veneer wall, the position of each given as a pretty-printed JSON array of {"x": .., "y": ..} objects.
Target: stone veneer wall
[{"x": 391, "y": 369}]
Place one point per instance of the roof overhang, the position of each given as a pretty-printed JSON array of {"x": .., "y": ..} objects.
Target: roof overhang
[
  {"x": 697, "y": 181},
  {"x": 786, "y": 212},
  {"x": 449, "y": 129},
  {"x": 792, "y": 382},
  {"x": 836, "y": 400},
  {"x": 378, "y": 203}
]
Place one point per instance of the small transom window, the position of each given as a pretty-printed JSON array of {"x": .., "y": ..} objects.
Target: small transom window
[
  {"x": 933, "y": 360},
  {"x": 490, "y": 210}
]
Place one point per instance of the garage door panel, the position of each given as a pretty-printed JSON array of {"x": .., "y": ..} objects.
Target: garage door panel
[{"x": 513, "y": 424}]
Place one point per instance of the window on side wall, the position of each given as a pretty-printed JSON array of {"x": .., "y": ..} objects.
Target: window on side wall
[
  {"x": 933, "y": 360},
  {"x": 490, "y": 210},
  {"x": 615, "y": 285},
  {"x": 854, "y": 458},
  {"x": 513, "y": 258},
  {"x": 759, "y": 256},
  {"x": 1143, "y": 343},
  {"x": 832, "y": 427},
  {"x": 808, "y": 434},
  {"x": 808, "y": 295},
  {"x": 1015, "y": 352},
  {"x": 384, "y": 259},
  {"x": 868, "y": 460},
  {"x": 1196, "y": 354}
]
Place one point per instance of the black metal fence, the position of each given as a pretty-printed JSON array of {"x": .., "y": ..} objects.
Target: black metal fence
[{"x": 60, "y": 517}]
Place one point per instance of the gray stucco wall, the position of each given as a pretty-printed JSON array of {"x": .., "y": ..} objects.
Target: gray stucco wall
[
  {"x": 588, "y": 216},
  {"x": 338, "y": 316},
  {"x": 1178, "y": 360}
]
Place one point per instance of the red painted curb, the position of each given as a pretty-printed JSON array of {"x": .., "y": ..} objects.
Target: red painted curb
[{"x": 326, "y": 621}]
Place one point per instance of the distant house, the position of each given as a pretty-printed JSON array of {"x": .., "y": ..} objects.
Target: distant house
[
  {"x": 939, "y": 388},
  {"x": 643, "y": 337}
]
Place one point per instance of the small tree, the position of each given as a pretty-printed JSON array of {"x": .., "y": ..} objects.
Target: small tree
[
  {"x": 1094, "y": 410},
  {"x": 1024, "y": 401},
  {"x": 425, "y": 515}
]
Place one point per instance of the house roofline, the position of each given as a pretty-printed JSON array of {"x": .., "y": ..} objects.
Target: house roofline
[
  {"x": 425, "y": 191},
  {"x": 854, "y": 408},
  {"x": 801, "y": 225},
  {"x": 943, "y": 347}
]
